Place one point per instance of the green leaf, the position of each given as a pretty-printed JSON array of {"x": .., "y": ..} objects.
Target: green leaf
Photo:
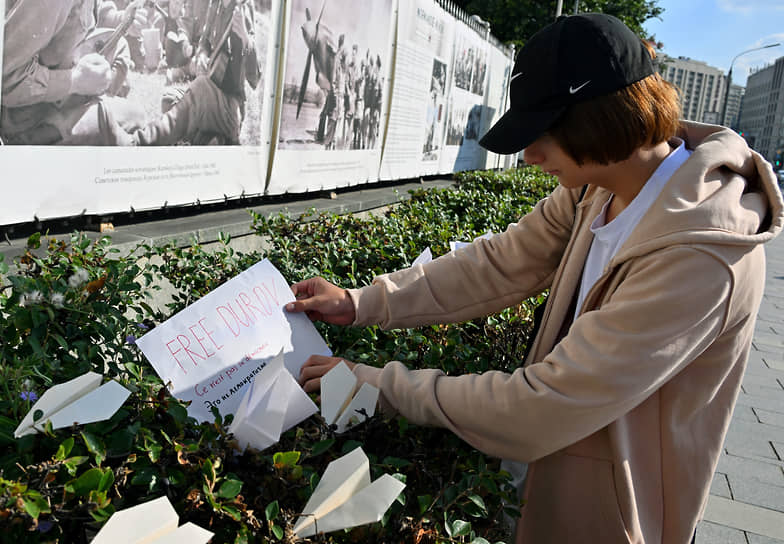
[
  {"x": 272, "y": 511},
  {"x": 34, "y": 241},
  {"x": 232, "y": 511},
  {"x": 147, "y": 476},
  {"x": 72, "y": 464},
  {"x": 121, "y": 441},
  {"x": 424, "y": 503},
  {"x": 35, "y": 504},
  {"x": 106, "y": 481},
  {"x": 477, "y": 500},
  {"x": 102, "y": 514},
  {"x": 479, "y": 540},
  {"x": 64, "y": 449},
  {"x": 277, "y": 531},
  {"x": 460, "y": 528},
  {"x": 95, "y": 445},
  {"x": 230, "y": 489},
  {"x": 285, "y": 459},
  {"x": 349, "y": 446},
  {"x": 178, "y": 413},
  {"x": 89, "y": 481},
  {"x": 320, "y": 447}
]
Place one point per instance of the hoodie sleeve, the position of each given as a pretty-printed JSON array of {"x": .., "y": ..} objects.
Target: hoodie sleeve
[
  {"x": 482, "y": 278},
  {"x": 611, "y": 360}
]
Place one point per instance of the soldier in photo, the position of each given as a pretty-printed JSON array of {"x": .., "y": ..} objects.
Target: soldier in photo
[
  {"x": 212, "y": 108},
  {"x": 337, "y": 96},
  {"x": 61, "y": 73},
  {"x": 373, "y": 96}
]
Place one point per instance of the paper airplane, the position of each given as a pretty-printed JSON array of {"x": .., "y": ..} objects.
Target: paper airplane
[
  {"x": 457, "y": 245},
  {"x": 425, "y": 257},
  {"x": 152, "y": 522},
  {"x": 339, "y": 404},
  {"x": 79, "y": 401},
  {"x": 273, "y": 404},
  {"x": 345, "y": 497}
]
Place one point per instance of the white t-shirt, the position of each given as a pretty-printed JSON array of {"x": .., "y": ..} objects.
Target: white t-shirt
[{"x": 609, "y": 237}]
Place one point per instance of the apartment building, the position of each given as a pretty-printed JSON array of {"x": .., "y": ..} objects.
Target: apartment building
[
  {"x": 762, "y": 111},
  {"x": 734, "y": 100},
  {"x": 701, "y": 86}
]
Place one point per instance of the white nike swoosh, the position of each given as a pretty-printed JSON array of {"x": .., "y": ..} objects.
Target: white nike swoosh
[
  {"x": 573, "y": 90},
  {"x": 518, "y": 74}
]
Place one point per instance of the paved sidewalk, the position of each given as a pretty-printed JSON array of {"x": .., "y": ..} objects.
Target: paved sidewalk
[{"x": 746, "y": 505}]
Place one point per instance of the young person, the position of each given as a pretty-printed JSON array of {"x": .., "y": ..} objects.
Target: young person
[{"x": 655, "y": 274}]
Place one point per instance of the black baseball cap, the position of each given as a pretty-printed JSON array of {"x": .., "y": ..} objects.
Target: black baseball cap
[{"x": 575, "y": 58}]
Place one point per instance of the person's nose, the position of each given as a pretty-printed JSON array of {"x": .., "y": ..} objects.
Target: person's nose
[{"x": 532, "y": 155}]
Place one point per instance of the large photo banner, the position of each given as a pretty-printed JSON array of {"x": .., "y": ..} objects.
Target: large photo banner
[
  {"x": 111, "y": 106},
  {"x": 497, "y": 98},
  {"x": 417, "y": 118},
  {"x": 335, "y": 89},
  {"x": 466, "y": 102}
]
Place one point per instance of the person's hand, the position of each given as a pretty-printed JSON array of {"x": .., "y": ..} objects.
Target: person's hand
[
  {"x": 139, "y": 19},
  {"x": 91, "y": 76},
  {"x": 202, "y": 63},
  {"x": 315, "y": 367},
  {"x": 322, "y": 301}
]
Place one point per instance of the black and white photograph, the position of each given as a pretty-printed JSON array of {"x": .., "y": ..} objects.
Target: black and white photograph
[
  {"x": 335, "y": 74},
  {"x": 470, "y": 67},
  {"x": 479, "y": 72},
  {"x": 435, "y": 111},
  {"x": 134, "y": 73},
  {"x": 457, "y": 121},
  {"x": 464, "y": 123},
  {"x": 464, "y": 63}
]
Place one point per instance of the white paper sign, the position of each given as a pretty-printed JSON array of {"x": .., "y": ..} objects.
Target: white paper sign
[
  {"x": 81, "y": 400},
  {"x": 152, "y": 522},
  {"x": 272, "y": 404},
  {"x": 213, "y": 348},
  {"x": 345, "y": 497}
]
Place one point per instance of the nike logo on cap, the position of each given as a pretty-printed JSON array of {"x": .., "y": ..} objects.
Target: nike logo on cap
[{"x": 573, "y": 90}]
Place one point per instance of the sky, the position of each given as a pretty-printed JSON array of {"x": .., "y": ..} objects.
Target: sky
[{"x": 714, "y": 31}]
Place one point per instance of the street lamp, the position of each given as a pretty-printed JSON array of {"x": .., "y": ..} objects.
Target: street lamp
[{"x": 729, "y": 78}]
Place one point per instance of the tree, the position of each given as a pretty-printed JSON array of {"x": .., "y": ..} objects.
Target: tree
[{"x": 514, "y": 21}]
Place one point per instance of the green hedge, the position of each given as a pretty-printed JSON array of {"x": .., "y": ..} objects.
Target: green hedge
[{"x": 78, "y": 306}]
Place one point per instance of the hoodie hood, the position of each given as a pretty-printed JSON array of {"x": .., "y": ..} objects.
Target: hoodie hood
[{"x": 725, "y": 193}]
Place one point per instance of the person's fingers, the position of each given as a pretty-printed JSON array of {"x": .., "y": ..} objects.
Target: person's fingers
[
  {"x": 316, "y": 366},
  {"x": 305, "y": 288},
  {"x": 306, "y": 304},
  {"x": 313, "y": 385}
]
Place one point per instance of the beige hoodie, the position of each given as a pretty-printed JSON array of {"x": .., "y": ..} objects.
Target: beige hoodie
[{"x": 624, "y": 417}]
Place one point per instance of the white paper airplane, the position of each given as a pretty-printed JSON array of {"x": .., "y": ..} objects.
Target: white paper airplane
[
  {"x": 457, "y": 245},
  {"x": 339, "y": 404},
  {"x": 423, "y": 258},
  {"x": 273, "y": 404},
  {"x": 345, "y": 497},
  {"x": 79, "y": 401},
  {"x": 427, "y": 255},
  {"x": 152, "y": 522}
]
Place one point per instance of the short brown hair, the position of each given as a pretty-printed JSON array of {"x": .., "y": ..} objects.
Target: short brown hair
[{"x": 609, "y": 128}]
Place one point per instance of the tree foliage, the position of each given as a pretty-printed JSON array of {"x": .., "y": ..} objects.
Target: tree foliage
[{"x": 515, "y": 21}]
